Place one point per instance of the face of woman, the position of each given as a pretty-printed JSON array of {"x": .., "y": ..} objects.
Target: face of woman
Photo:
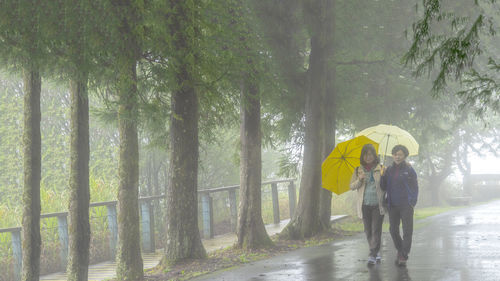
[
  {"x": 399, "y": 157},
  {"x": 369, "y": 157}
]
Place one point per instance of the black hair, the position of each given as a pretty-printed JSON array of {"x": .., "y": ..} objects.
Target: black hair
[
  {"x": 368, "y": 148},
  {"x": 402, "y": 148}
]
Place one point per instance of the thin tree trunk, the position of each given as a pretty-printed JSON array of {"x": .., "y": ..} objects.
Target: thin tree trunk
[
  {"x": 329, "y": 120},
  {"x": 130, "y": 266},
  {"x": 251, "y": 230},
  {"x": 129, "y": 259},
  {"x": 78, "y": 215},
  {"x": 183, "y": 235},
  {"x": 31, "y": 240},
  {"x": 325, "y": 203},
  {"x": 156, "y": 174}
]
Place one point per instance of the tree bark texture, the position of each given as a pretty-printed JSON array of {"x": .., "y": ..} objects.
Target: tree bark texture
[
  {"x": 306, "y": 220},
  {"x": 129, "y": 258},
  {"x": 130, "y": 266},
  {"x": 78, "y": 215},
  {"x": 250, "y": 230},
  {"x": 183, "y": 235},
  {"x": 325, "y": 203},
  {"x": 31, "y": 241},
  {"x": 328, "y": 28}
]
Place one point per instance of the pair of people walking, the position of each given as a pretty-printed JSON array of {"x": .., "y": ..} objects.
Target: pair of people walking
[{"x": 394, "y": 191}]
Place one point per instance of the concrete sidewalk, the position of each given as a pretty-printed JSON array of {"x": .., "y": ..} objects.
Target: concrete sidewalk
[{"x": 106, "y": 270}]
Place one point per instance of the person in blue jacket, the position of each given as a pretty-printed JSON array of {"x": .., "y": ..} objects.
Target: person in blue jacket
[{"x": 400, "y": 183}]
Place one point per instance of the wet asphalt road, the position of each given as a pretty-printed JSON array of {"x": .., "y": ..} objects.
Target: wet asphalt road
[{"x": 458, "y": 245}]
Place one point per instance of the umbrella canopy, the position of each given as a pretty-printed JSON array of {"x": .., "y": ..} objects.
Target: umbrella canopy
[
  {"x": 337, "y": 169},
  {"x": 387, "y": 136}
]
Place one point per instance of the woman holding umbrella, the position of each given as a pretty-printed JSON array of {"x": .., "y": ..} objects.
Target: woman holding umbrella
[{"x": 370, "y": 207}]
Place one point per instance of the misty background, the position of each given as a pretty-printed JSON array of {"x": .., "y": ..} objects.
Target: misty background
[{"x": 371, "y": 83}]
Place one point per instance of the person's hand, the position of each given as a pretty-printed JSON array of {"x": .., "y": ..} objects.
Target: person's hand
[
  {"x": 382, "y": 170},
  {"x": 361, "y": 174}
]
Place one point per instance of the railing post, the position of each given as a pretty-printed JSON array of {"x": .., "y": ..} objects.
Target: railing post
[
  {"x": 207, "y": 213},
  {"x": 152, "y": 226},
  {"x": 62, "y": 227},
  {"x": 17, "y": 253},
  {"x": 233, "y": 209},
  {"x": 276, "y": 207},
  {"x": 113, "y": 229},
  {"x": 147, "y": 227},
  {"x": 292, "y": 198}
]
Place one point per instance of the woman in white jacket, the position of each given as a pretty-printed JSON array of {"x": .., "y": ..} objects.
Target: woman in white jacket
[{"x": 370, "y": 205}]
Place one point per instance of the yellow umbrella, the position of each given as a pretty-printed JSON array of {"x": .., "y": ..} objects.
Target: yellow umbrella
[
  {"x": 387, "y": 136},
  {"x": 337, "y": 169}
]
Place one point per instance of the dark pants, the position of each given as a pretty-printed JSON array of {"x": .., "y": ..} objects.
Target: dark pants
[
  {"x": 372, "y": 220},
  {"x": 402, "y": 214}
]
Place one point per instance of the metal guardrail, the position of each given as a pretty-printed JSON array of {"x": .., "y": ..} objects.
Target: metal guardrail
[
  {"x": 207, "y": 205},
  {"x": 147, "y": 219}
]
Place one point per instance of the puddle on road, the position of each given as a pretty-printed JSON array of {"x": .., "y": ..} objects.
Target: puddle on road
[
  {"x": 462, "y": 220},
  {"x": 475, "y": 218}
]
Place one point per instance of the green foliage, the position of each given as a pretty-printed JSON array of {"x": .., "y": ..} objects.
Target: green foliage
[
  {"x": 224, "y": 171},
  {"x": 24, "y": 30},
  {"x": 452, "y": 38},
  {"x": 55, "y": 151},
  {"x": 11, "y": 177},
  {"x": 263, "y": 40}
]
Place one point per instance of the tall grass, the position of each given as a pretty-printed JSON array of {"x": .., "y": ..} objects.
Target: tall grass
[
  {"x": 6, "y": 258},
  {"x": 53, "y": 201},
  {"x": 56, "y": 200},
  {"x": 101, "y": 190}
]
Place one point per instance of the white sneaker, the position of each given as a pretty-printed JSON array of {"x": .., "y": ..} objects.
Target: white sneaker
[{"x": 372, "y": 260}]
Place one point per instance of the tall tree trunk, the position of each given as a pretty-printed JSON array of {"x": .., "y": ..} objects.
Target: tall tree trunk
[
  {"x": 78, "y": 215},
  {"x": 130, "y": 266},
  {"x": 325, "y": 203},
  {"x": 306, "y": 221},
  {"x": 183, "y": 235},
  {"x": 251, "y": 230},
  {"x": 32, "y": 142},
  {"x": 328, "y": 27},
  {"x": 129, "y": 259}
]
